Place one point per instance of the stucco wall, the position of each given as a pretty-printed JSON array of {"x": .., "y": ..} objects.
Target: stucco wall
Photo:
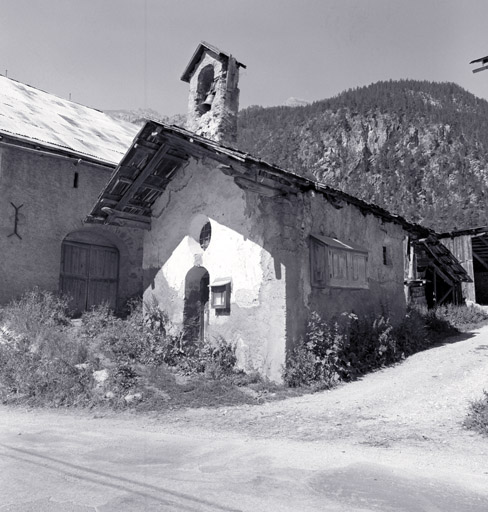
[
  {"x": 385, "y": 293},
  {"x": 262, "y": 245},
  {"x": 52, "y": 209},
  {"x": 256, "y": 322}
]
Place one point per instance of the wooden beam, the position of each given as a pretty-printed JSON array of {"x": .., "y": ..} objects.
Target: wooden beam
[
  {"x": 113, "y": 201},
  {"x": 152, "y": 187},
  {"x": 477, "y": 70},
  {"x": 110, "y": 197},
  {"x": 435, "y": 285},
  {"x": 125, "y": 179},
  {"x": 108, "y": 201},
  {"x": 146, "y": 144},
  {"x": 176, "y": 158},
  {"x": 412, "y": 266},
  {"x": 116, "y": 214},
  {"x": 150, "y": 149},
  {"x": 260, "y": 188},
  {"x": 440, "y": 273},
  {"x": 480, "y": 260},
  {"x": 156, "y": 160},
  {"x": 440, "y": 302}
]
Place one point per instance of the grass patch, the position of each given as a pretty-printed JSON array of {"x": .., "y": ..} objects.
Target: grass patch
[
  {"x": 461, "y": 318},
  {"x": 477, "y": 417}
]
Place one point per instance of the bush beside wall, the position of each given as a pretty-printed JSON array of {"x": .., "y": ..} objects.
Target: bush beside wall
[
  {"x": 349, "y": 346},
  {"x": 45, "y": 360}
]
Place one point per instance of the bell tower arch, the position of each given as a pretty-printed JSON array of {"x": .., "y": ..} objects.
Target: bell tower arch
[{"x": 213, "y": 100}]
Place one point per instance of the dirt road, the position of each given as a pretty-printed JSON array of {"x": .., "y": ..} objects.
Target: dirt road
[{"x": 390, "y": 442}]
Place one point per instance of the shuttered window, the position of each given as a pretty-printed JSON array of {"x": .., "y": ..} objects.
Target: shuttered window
[{"x": 337, "y": 264}]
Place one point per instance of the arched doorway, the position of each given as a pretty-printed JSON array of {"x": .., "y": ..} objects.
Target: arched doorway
[
  {"x": 89, "y": 271},
  {"x": 195, "y": 312}
]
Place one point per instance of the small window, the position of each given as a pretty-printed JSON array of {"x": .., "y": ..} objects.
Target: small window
[
  {"x": 205, "y": 235},
  {"x": 387, "y": 256},
  {"x": 220, "y": 295},
  {"x": 75, "y": 180},
  {"x": 337, "y": 264}
]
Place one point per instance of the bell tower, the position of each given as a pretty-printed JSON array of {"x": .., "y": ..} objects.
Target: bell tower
[{"x": 213, "y": 100}]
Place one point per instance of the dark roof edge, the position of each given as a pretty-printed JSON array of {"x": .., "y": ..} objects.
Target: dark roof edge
[
  {"x": 460, "y": 232},
  {"x": 54, "y": 149},
  {"x": 439, "y": 252},
  {"x": 185, "y": 76},
  {"x": 306, "y": 183}
]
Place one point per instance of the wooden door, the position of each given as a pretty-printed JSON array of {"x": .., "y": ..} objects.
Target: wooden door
[{"x": 89, "y": 275}]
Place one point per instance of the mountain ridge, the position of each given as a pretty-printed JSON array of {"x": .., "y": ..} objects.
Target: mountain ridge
[{"x": 415, "y": 148}]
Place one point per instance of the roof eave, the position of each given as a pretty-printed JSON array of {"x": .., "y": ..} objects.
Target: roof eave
[
  {"x": 38, "y": 145},
  {"x": 292, "y": 180},
  {"x": 197, "y": 55}
]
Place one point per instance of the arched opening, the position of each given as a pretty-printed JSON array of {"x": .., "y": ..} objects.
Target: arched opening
[
  {"x": 196, "y": 307},
  {"x": 89, "y": 271},
  {"x": 205, "y": 89},
  {"x": 205, "y": 235}
]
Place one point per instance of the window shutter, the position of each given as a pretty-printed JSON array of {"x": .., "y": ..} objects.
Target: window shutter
[{"x": 337, "y": 264}]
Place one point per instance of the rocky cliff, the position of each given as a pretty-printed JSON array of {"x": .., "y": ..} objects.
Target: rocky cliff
[{"x": 417, "y": 148}]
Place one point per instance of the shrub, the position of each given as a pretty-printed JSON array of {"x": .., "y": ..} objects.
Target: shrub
[
  {"x": 350, "y": 346},
  {"x": 412, "y": 333},
  {"x": 321, "y": 359},
  {"x": 218, "y": 357},
  {"x": 436, "y": 324},
  {"x": 461, "y": 317},
  {"x": 301, "y": 367},
  {"x": 477, "y": 418},
  {"x": 39, "y": 359},
  {"x": 139, "y": 360},
  {"x": 137, "y": 339},
  {"x": 35, "y": 314},
  {"x": 372, "y": 344}
]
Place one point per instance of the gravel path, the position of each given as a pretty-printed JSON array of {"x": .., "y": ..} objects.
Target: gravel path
[
  {"x": 410, "y": 414},
  {"x": 393, "y": 441},
  {"x": 425, "y": 396}
]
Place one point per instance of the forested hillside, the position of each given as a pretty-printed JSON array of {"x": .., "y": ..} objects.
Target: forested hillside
[{"x": 417, "y": 148}]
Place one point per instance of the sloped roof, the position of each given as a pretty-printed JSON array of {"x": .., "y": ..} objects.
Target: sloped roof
[
  {"x": 339, "y": 244},
  {"x": 444, "y": 259},
  {"x": 480, "y": 230},
  {"x": 159, "y": 150},
  {"x": 32, "y": 115},
  {"x": 196, "y": 57}
]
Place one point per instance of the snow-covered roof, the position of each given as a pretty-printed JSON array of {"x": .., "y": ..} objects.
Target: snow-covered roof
[{"x": 37, "y": 116}]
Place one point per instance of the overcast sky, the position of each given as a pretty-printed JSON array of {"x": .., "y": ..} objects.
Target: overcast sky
[{"x": 112, "y": 54}]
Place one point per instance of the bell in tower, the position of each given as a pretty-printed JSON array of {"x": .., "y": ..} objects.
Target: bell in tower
[{"x": 213, "y": 100}]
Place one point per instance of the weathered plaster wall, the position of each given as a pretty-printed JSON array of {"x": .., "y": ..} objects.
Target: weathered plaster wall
[
  {"x": 52, "y": 209},
  {"x": 385, "y": 293},
  {"x": 290, "y": 221},
  {"x": 256, "y": 322},
  {"x": 262, "y": 245}
]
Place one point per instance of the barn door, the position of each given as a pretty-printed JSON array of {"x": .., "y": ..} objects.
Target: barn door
[{"x": 89, "y": 275}]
